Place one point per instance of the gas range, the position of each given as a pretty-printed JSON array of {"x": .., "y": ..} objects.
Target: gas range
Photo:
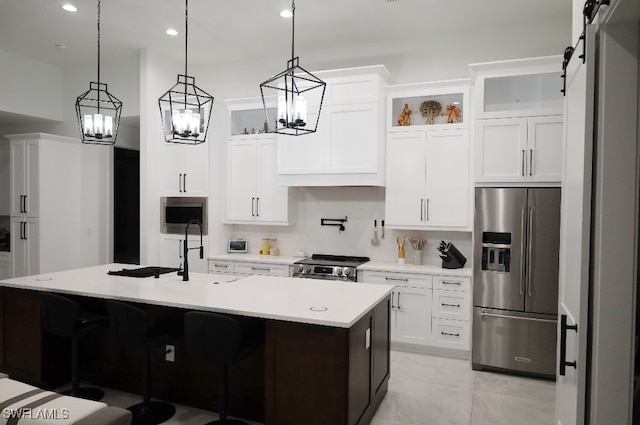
[{"x": 329, "y": 267}]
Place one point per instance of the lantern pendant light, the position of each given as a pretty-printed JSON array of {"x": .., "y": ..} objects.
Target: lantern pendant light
[
  {"x": 97, "y": 110},
  {"x": 185, "y": 109},
  {"x": 297, "y": 91}
]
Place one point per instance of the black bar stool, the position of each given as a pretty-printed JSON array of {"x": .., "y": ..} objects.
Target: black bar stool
[
  {"x": 222, "y": 339},
  {"x": 137, "y": 328},
  {"x": 62, "y": 316}
]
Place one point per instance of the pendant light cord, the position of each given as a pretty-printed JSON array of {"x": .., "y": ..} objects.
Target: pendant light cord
[
  {"x": 293, "y": 29},
  {"x": 186, "y": 34},
  {"x": 98, "y": 56}
]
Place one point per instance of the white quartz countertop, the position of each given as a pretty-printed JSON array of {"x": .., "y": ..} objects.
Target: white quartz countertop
[
  {"x": 380, "y": 266},
  {"x": 340, "y": 304},
  {"x": 256, "y": 258}
]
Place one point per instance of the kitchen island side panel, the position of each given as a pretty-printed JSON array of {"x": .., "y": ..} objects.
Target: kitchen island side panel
[{"x": 318, "y": 374}]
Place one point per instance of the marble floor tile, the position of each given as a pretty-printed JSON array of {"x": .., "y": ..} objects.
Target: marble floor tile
[
  {"x": 515, "y": 385},
  {"x": 434, "y": 369},
  {"x": 380, "y": 421},
  {"x": 424, "y": 403},
  {"x": 499, "y": 409}
]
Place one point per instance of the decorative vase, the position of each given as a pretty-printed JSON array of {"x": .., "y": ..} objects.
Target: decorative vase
[{"x": 417, "y": 257}]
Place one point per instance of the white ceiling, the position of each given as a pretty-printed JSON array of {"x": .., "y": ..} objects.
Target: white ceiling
[{"x": 230, "y": 30}]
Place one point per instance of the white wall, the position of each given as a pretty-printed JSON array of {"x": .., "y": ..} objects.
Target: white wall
[{"x": 30, "y": 87}]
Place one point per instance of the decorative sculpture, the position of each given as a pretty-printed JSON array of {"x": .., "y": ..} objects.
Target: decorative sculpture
[
  {"x": 404, "y": 119},
  {"x": 430, "y": 109},
  {"x": 453, "y": 113}
]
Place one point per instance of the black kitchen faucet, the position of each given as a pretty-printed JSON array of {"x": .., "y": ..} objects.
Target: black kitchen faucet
[{"x": 185, "y": 270}]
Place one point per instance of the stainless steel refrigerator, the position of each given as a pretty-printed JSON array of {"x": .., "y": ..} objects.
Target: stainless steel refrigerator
[{"x": 515, "y": 292}]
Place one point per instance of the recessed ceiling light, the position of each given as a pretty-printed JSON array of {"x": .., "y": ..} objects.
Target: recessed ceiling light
[
  {"x": 171, "y": 31},
  {"x": 286, "y": 14},
  {"x": 69, "y": 7}
]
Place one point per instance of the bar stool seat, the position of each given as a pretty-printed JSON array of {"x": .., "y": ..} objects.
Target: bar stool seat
[
  {"x": 138, "y": 329},
  {"x": 222, "y": 339},
  {"x": 63, "y": 316}
]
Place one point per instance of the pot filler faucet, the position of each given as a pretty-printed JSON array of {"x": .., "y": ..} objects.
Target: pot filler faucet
[{"x": 185, "y": 270}]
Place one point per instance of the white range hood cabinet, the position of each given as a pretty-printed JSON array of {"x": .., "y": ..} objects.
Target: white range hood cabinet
[{"x": 348, "y": 148}]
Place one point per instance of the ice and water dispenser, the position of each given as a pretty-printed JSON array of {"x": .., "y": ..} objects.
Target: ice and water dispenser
[{"x": 496, "y": 251}]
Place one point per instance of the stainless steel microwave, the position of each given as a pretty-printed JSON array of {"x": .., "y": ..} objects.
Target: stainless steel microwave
[{"x": 175, "y": 213}]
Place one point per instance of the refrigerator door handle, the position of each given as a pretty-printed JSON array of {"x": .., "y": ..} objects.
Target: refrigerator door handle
[
  {"x": 530, "y": 252},
  {"x": 504, "y": 316},
  {"x": 522, "y": 249}
]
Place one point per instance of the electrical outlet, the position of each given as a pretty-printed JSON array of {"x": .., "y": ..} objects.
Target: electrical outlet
[{"x": 170, "y": 353}]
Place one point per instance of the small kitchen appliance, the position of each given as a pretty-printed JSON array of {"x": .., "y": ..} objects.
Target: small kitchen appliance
[{"x": 329, "y": 267}]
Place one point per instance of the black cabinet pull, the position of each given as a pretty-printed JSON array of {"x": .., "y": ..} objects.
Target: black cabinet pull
[
  {"x": 184, "y": 182},
  {"x": 180, "y": 182},
  {"x": 257, "y": 207},
  {"x": 421, "y": 209},
  {"x": 252, "y": 207},
  {"x": 450, "y": 305},
  {"x": 563, "y": 344},
  {"x": 25, "y": 231},
  {"x": 399, "y": 279},
  {"x": 446, "y": 282},
  {"x": 449, "y": 334},
  {"x": 392, "y": 306}
]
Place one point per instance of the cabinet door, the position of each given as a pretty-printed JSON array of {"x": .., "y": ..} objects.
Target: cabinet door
[
  {"x": 353, "y": 139},
  {"x": 5, "y": 180},
  {"x": 17, "y": 181},
  {"x": 195, "y": 181},
  {"x": 25, "y": 247},
  {"x": 305, "y": 154},
  {"x": 413, "y": 315},
  {"x": 545, "y": 155},
  {"x": 171, "y": 253},
  {"x": 241, "y": 180},
  {"x": 405, "y": 191},
  {"x": 32, "y": 195},
  {"x": 272, "y": 201},
  {"x": 5, "y": 272},
  {"x": 447, "y": 178},
  {"x": 501, "y": 148},
  {"x": 171, "y": 169}
]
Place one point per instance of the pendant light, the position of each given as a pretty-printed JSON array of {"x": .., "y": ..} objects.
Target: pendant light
[
  {"x": 97, "y": 110},
  {"x": 295, "y": 89},
  {"x": 185, "y": 109}
]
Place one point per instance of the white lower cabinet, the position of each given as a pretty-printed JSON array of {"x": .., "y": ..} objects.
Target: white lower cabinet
[
  {"x": 172, "y": 253},
  {"x": 248, "y": 268},
  {"x": 410, "y": 305},
  {"x": 25, "y": 246},
  {"x": 265, "y": 269},
  {"x": 428, "y": 310},
  {"x": 5, "y": 271},
  {"x": 451, "y": 309}
]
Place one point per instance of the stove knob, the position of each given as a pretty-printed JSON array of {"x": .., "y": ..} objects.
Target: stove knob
[
  {"x": 297, "y": 268},
  {"x": 307, "y": 269},
  {"x": 347, "y": 272},
  {"x": 338, "y": 271}
]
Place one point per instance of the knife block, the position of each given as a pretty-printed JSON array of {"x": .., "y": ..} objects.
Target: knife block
[{"x": 452, "y": 258}]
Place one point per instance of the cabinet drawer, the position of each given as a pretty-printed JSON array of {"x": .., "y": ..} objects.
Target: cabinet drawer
[
  {"x": 450, "y": 334},
  {"x": 220, "y": 266},
  {"x": 261, "y": 269},
  {"x": 392, "y": 278},
  {"x": 453, "y": 305},
  {"x": 451, "y": 283}
]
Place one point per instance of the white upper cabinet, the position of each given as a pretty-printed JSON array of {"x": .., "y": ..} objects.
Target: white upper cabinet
[
  {"x": 518, "y": 127},
  {"x": 428, "y": 182},
  {"x": 518, "y": 88},
  {"x": 348, "y": 147},
  {"x": 253, "y": 195},
  {"x": 24, "y": 177},
  {"x": 427, "y": 165},
  {"x": 184, "y": 169}
]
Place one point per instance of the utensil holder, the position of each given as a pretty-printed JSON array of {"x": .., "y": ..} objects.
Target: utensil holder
[{"x": 417, "y": 257}]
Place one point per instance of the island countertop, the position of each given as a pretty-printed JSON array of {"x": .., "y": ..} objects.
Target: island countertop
[{"x": 319, "y": 302}]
